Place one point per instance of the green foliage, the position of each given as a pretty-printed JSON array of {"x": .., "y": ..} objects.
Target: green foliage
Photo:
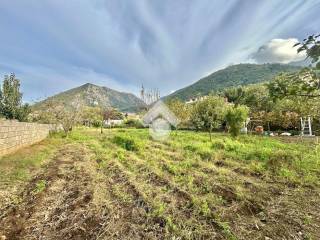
[
  {"x": 233, "y": 76},
  {"x": 236, "y": 117},
  {"x": 208, "y": 114},
  {"x": 255, "y": 96},
  {"x": 311, "y": 45},
  {"x": 112, "y": 113},
  {"x": 274, "y": 113},
  {"x": 234, "y": 95},
  {"x": 126, "y": 142},
  {"x": 11, "y": 106},
  {"x": 303, "y": 84},
  {"x": 65, "y": 116},
  {"x": 92, "y": 116},
  {"x": 182, "y": 111},
  {"x": 134, "y": 123},
  {"x": 40, "y": 186}
]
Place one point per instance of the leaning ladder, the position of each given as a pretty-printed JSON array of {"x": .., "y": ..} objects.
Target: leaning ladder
[{"x": 306, "y": 129}]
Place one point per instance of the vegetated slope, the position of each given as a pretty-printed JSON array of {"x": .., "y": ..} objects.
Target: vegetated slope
[
  {"x": 240, "y": 74},
  {"x": 93, "y": 95}
]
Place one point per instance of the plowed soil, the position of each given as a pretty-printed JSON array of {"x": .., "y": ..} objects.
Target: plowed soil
[{"x": 75, "y": 196}]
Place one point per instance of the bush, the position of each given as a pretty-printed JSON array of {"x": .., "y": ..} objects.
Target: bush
[
  {"x": 96, "y": 124},
  {"x": 125, "y": 142},
  {"x": 133, "y": 123},
  {"x": 236, "y": 117}
]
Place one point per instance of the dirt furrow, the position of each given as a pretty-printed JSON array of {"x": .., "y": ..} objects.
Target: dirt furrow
[{"x": 56, "y": 204}]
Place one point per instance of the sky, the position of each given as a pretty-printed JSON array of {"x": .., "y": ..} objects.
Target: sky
[{"x": 55, "y": 45}]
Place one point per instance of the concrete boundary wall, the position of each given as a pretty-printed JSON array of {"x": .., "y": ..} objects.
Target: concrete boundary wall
[{"x": 15, "y": 135}]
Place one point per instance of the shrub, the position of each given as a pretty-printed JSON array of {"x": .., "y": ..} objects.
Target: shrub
[
  {"x": 133, "y": 123},
  {"x": 125, "y": 142},
  {"x": 235, "y": 117}
]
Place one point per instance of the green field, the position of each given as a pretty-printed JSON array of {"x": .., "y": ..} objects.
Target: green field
[{"x": 186, "y": 187}]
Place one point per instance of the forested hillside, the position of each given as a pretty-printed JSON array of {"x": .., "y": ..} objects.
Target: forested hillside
[{"x": 240, "y": 74}]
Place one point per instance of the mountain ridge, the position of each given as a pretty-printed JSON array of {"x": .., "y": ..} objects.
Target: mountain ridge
[
  {"x": 90, "y": 94},
  {"x": 235, "y": 75}
]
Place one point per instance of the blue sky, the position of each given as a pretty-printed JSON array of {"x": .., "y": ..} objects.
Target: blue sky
[{"x": 54, "y": 45}]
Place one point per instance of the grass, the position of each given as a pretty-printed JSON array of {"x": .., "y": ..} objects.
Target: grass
[
  {"x": 190, "y": 186},
  {"x": 188, "y": 175},
  {"x": 21, "y": 165},
  {"x": 40, "y": 186}
]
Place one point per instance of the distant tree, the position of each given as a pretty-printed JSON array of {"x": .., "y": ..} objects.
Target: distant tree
[
  {"x": 234, "y": 95},
  {"x": 92, "y": 116},
  {"x": 54, "y": 113},
  {"x": 236, "y": 117},
  {"x": 181, "y": 110},
  {"x": 208, "y": 114},
  {"x": 11, "y": 106},
  {"x": 305, "y": 83},
  {"x": 257, "y": 98},
  {"x": 111, "y": 114}
]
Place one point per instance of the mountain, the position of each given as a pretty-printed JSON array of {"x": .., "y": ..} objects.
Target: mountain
[
  {"x": 93, "y": 95},
  {"x": 303, "y": 63},
  {"x": 235, "y": 75}
]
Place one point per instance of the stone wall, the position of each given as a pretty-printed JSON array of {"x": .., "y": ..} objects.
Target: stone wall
[{"x": 14, "y": 135}]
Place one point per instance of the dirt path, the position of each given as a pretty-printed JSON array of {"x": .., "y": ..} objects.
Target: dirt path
[{"x": 57, "y": 204}]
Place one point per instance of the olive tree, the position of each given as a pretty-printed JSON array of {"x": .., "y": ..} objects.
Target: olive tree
[{"x": 208, "y": 114}]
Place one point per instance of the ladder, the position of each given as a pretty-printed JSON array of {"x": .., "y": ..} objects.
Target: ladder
[{"x": 306, "y": 129}]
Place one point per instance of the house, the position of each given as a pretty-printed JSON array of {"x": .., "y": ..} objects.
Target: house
[
  {"x": 113, "y": 122},
  {"x": 196, "y": 99}
]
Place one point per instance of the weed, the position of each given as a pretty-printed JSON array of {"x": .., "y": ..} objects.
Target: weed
[
  {"x": 227, "y": 230},
  {"x": 218, "y": 144},
  {"x": 40, "y": 186},
  {"x": 125, "y": 142}
]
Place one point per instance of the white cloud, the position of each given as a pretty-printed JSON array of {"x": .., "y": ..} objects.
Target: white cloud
[{"x": 279, "y": 51}]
